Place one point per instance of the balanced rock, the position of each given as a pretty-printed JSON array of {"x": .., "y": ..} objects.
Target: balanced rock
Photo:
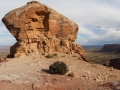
[{"x": 39, "y": 29}]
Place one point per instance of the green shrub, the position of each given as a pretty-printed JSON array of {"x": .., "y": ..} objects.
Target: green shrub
[
  {"x": 49, "y": 56},
  {"x": 54, "y": 54},
  {"x": 43, "y": 54},
  {"x": 58, "y": 68},
  {"x": 79, "y": 58}
]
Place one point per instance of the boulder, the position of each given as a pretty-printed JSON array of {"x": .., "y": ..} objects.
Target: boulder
[
  {"x": 115, "y": 63},
  {"x": 40, "y": 29}
]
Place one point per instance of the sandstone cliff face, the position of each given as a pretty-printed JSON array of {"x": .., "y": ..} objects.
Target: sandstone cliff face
[
  {"x": 111, "y": 48},
  {"x": 38, "y": 28}
]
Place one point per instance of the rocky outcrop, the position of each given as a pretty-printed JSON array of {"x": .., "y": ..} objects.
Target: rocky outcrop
[
  {"x": 111, "y": 48},
  {"x": 115, "y": 63},
  {"x": 38, "y": 28}
]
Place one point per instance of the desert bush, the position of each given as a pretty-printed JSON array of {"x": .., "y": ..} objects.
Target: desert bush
[
  {"x": 49, "y": 56},
  {"x": 79, "y": 58},
  {"x": 58, "y": 68},
  {"x": 54, "y": 54}
]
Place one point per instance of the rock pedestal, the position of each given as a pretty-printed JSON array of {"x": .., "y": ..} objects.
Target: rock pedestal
[{"x": 38, "y": 29}]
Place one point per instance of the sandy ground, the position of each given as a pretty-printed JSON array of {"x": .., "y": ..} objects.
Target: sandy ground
[
  {"x": 27, "y": 73},
  {"x": 96, "y": 56}
]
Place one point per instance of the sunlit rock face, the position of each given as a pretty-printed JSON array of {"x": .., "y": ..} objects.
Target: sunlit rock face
[{"x": 38, "y": 29}]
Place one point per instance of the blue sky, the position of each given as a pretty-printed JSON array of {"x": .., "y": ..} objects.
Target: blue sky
[{"x": 98, "y": 20}]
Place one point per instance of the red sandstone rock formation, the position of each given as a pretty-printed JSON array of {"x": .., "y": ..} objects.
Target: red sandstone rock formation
[{"x": 38, "y": 28}]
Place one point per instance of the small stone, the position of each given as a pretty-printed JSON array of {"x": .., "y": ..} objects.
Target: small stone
[
  {"x": 84, "y": 76},
  {"x": 111, "y": 69},
  {"x": 95, "y": 79},
  {"x": 46, "y": 84},
  {"x": 38, "y": 86},
  {"x": 71, "y": 75},
  {"x": 99, "y": 75}
]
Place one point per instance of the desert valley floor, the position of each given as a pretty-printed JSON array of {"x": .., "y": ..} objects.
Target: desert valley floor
[{"x": 31, "y": 73}]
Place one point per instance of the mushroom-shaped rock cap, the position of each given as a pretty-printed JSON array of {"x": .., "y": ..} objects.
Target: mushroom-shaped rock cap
[{"x": 36, "y": 19}]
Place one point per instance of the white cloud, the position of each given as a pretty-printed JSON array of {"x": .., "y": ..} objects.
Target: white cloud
[
  {"x": 84, "y": 30},
  {"x": 97, "y": 13},
  {"x": 109, "y": 35}
]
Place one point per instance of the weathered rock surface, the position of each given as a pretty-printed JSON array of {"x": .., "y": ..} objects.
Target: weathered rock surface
[
  {"x": 38, "y": 29},
  {"x": 111, "y": 48},
  {"x": 115, "y": 85}
]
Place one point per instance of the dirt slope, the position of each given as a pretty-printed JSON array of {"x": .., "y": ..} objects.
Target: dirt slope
[{"x": 29, "y": 73}]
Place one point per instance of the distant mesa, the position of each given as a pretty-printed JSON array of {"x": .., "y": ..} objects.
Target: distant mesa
[
  {"x": 111, "y": 48},
  {"x": 38, "y": 28}
]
